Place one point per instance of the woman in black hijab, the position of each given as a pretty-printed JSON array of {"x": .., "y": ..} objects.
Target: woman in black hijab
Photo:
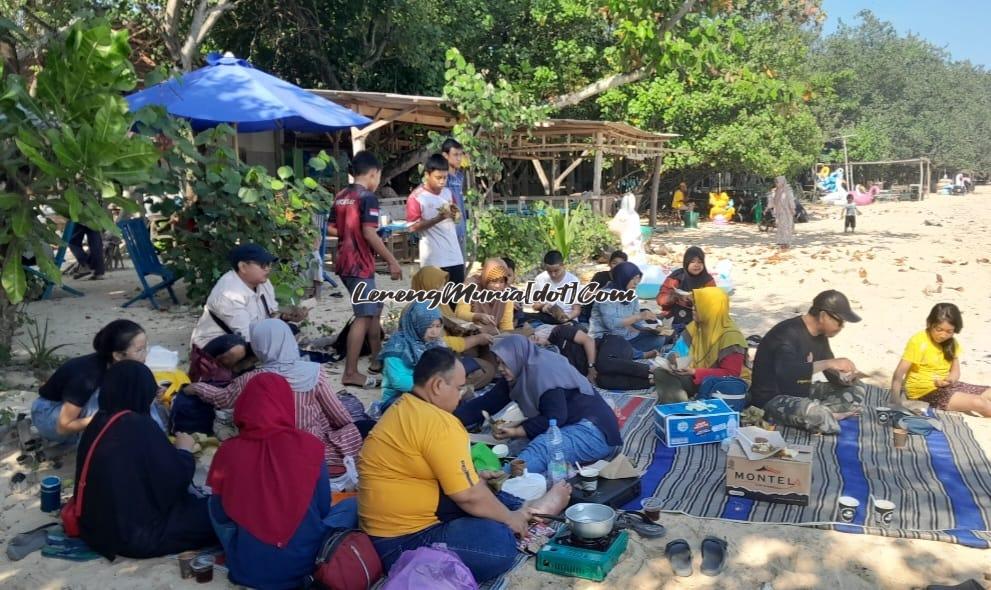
[
  {"x": 693, "y": 274},
  {"x": 137, "y": 502}
]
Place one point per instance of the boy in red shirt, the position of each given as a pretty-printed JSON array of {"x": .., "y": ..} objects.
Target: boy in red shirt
[{"x": 354, "y": 220}]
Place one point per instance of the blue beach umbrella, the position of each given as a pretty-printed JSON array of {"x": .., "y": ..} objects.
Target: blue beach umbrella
[{"x": 229, "y": 90}]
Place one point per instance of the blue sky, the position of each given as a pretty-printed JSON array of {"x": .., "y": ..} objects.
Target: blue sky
[{"x": 959, "y": 26}]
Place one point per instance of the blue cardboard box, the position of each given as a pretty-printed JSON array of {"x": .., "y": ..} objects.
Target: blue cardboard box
[{"x": 678, "y": 426}]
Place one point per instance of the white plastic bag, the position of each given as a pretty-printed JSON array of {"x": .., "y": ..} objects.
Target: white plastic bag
[
  {"x": 162, "y": 359},
  {"x": 347, "y": 482},
  {"x": 722, "y": 276}
]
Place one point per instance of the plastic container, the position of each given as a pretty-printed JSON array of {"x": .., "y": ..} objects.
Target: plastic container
[
  {"x": 691, "y": 219},
  {"x": 557, "y": 467},
  {"x": 202, "y": 568}
]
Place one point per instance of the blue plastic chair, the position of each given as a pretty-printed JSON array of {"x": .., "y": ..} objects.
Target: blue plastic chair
[
  {"x": 59, "y": 260},
  {"x": 146, "y": 262}
]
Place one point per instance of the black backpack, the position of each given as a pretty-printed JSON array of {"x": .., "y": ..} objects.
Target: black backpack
[{"x": 340, "y": 345}]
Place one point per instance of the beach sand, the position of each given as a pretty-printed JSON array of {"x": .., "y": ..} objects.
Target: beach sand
[{"x": 893, "y": 270}]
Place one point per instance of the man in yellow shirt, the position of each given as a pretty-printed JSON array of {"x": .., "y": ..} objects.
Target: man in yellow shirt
[
  {"x": 418, "y": 486},
  {"x": 678, "y": 202}
]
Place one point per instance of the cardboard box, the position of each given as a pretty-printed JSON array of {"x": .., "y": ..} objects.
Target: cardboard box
[
  {"x": 678, "y": 426},
  {"x": 784, "y": 481}
]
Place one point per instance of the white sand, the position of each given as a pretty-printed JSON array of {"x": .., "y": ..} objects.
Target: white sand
[{"x": 889, "y": 269}]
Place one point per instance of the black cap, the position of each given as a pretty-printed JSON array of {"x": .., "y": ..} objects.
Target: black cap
[
  {"x": 251, "y": 253},
  {"x": 836, "y": 303}
]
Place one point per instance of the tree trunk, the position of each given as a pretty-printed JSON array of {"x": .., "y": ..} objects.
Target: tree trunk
[{"x": 10, "y": 320}]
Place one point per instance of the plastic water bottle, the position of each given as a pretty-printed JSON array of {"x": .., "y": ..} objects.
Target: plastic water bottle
[{"x": 557, "y": 467}]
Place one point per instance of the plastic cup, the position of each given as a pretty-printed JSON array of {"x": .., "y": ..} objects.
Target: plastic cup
[
  {"x": 202, "y": 567},
  {"x": 589, "y": 480},
  {"x": 847, "y": 508},
  {"x": 652, "y": 508},
  {"x": 899, "y": 437},
  {"x": 884, "y": 511},
  {"x": 186, "y": 564},
  {"x": 883, "y": 414},
  {"x": 517, "y": 467}
]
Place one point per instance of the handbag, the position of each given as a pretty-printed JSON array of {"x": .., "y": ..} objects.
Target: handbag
[
  {"x": 347, "y": 560},
  {"x": 73, "y": 509}
]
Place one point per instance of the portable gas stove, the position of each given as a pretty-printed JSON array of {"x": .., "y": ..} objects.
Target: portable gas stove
[{"x": 592, "y": 560}]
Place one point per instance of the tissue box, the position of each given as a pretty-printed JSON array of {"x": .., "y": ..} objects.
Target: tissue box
[
  {"x": 678, "y": 426},
  {"x": 784, "y": 481}
]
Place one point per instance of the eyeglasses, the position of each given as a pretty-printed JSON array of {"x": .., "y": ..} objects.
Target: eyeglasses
[
  {"x": 836, "y": 318},
  {"x": 262, "y": 265}
]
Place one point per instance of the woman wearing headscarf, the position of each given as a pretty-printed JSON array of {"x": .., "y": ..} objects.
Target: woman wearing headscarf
[
  {"x": 419, "y": 329},
  {"x": 137, "y": 502},
  {"x": 674, "y": 302},
  {"x": 272, "y": 504},
  {"x": 431, "y": 278},
  {"x": 782, "y": 203},
  {"x": 495, "y": 316},
  {"x": 716, "y": 346},
  {"x": 624, "y": 318},
  {"x": 546, "y": 387},
  {"x": 318, "y": 409}
]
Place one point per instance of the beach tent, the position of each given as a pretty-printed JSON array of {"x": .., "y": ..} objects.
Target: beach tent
[{"x": 229, "y": 90}]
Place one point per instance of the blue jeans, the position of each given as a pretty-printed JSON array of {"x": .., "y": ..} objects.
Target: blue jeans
[
  {"x": 487, "y": 547},
  {"x": 45, "y": 413},
  {"x": 582, "y": 442},
  {"x": 644, "y": 342}
]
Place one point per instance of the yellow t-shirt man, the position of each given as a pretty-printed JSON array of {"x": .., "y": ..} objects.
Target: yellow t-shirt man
[
  {"x": 678, "y": 201},
  {"x": 417, "y": 455},
  {"x": 928, "y": 364}
]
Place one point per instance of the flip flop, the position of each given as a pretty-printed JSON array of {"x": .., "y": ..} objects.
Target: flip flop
[
  {"x": 641, "y": 525},
  {"x": 370, "y": 383},
  {"x": 377, "y": 369},
  {"x": 679, "y": 553},
  {"x": 27, "y": 543},
  {"x": 713, "y": 556}
]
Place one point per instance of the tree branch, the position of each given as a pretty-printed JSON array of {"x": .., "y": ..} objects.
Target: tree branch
[
  {"x": 616, "y": 80},
  {"x": 599, "y": 87},
  {"x": 397, "y": 167},
  {"x": 204, "y": 18}
]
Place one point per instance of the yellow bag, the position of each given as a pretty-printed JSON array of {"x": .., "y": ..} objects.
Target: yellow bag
[{"x": 172, "y": 381}]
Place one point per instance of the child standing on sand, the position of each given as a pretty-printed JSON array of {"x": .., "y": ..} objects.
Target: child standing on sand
[
  {"x": 850, "y": 214},
  {"x": 930, "y": 367}
]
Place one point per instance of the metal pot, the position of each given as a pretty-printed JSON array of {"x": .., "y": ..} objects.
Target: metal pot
[{"x": 587, "y": 521}]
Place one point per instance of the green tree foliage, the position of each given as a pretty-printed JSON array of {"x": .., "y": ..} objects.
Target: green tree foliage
[
  {"x": 902, "y": 97},
  {"x": 221, "y": 201},
  {"x": 752, "y": 118},
  {"x": 65, "y": 145}
]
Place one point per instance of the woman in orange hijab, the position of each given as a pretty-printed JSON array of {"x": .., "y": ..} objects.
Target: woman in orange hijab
[{"x": 495, "y": 316}]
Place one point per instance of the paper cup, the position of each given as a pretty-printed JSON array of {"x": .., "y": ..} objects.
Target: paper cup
[
  {"x": 846, "y": 508},
  {"x": 883, "y": 512},
  {"x": 589, "y": 480},
  {"x": 899, "y": 437}
]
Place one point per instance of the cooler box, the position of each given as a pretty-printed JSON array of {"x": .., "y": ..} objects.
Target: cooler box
[{"x": 677, "y": 426}]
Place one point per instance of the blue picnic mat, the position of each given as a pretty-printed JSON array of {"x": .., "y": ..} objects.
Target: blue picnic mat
[{"x": 941, "y": 484}]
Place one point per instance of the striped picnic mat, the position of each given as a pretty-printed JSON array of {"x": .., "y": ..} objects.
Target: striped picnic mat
[{"x": 941, "y": 484}]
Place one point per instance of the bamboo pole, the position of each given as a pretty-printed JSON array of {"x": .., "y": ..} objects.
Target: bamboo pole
[{"x": 655, "y": 186}]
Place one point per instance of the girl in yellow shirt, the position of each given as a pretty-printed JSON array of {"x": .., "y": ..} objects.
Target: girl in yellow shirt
[{"x": 929, "y": 368}]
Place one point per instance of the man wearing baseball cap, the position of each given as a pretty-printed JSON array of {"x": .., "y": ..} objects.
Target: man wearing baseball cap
[
  {"x": 241, "y": 297},
  {"x": 795, "y": 350}
]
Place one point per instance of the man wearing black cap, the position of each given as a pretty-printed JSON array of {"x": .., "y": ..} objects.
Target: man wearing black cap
[
  {"x": 241, "y": 297},
  {"x": 795, "y": 350}
]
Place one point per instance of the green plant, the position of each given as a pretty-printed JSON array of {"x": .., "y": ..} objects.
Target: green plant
[
  {"x": 41, "y": 356},
  {"x": 65, "y": 143},
  {"x": 224, "y": 202}
]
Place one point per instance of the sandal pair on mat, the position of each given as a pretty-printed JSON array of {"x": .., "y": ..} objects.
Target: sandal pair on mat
[{"x": 679, "y": 553}]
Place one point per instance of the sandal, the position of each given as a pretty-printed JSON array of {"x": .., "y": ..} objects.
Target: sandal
[
  {"x": 713, "y": 556},
  {"x": 679, "y": 553},
  {"x": 370, "y": 383},
  {"x": 641, "y": 525},
  {"x": 376, "y": 368}
]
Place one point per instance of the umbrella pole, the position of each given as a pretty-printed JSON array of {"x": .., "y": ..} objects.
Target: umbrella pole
[{"x": 237, "y": 152}]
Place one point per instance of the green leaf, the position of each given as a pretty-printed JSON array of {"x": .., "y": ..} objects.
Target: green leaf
[
  {"x": 285, "y": 172},
  {"x": 13, "y": 280},
  {"x": 21, "y": 221},
  {"x": 310, "y": 183},
  {"x": 248, "y": 195},
  {"x": 35, "y": 156},
  {"x": 75, "y": 203},
  {"x": 10, "y": 200},
  {"x": 277, "y": 185},
  {"x": 317, "y": 164}
]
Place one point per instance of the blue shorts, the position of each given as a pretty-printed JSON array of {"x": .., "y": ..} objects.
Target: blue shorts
[{"x": 362, "y": 310}]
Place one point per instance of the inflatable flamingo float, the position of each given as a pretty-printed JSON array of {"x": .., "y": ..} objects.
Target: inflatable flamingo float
[{"x": 861, "y": 196}]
